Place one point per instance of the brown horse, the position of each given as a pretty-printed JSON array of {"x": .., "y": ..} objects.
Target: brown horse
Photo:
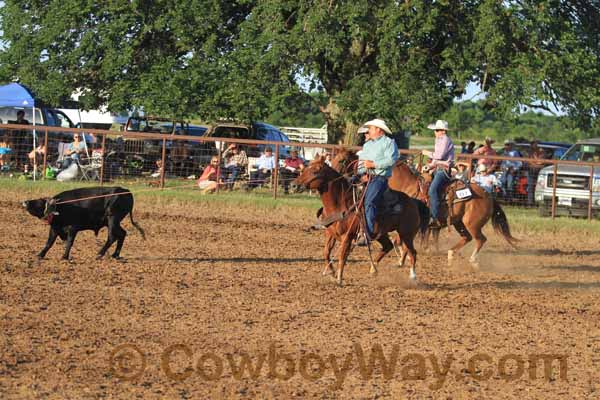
[
  {"x": 468, "y": 216},
  {"x": 416, "y": 186},
  {"x": 345, "y": 219}
]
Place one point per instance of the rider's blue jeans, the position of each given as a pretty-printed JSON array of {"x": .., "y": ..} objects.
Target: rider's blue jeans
[
  {"x": 375, "y": 190},
  {"x": 436, "y": 192}
]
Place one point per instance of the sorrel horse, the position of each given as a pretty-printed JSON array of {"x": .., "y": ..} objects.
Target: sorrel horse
[
  {"x": 346, "y": 163},
  {"x": 345, "y": 218},
  {"x": 468, "y": 217}
]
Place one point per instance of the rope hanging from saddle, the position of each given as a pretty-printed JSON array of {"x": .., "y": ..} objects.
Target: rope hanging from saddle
[{"x": 357, "y": 205}]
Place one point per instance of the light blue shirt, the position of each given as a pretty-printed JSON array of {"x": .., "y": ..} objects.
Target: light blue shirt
[
  {"x": 383, "y": 152},
  {"x": 265, "y": 162}
]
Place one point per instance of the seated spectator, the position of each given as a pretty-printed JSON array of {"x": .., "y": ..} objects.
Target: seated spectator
[
  {"x": 5, "y": 151},
  {"x": 486, "y": 150},
  {"x": 208, "y": 180},
  {"x": 484, "y": 179},
  {"x": 235, "y": 162},
  {"x": 462, "y": 172},
  {"x": 292, "y": 166},
  {"x": 265, "y": 166},
  {"x": 36, "y": 157},
  {"x": 73, "y": 152},
  {"x": 158, "y": 171}
]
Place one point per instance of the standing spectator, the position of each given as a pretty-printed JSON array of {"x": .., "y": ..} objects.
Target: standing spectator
[
  {"x": 533, "y": 171},
  {"x": 486, "y": 150},
  {"x": 484, "y": 179},
  {"x": 292, "y": 167},
  {"x": 235, "y": 162},
  {"x": 21, "y": 118},
  {"x": 463, "y": 147},
  {"x": 265, "y": 166},
  {"x": 441, "y": 161},
  {"x": 208, "y": 180},
  {"x": 510, "y": 169},
  {"x": 179, "y": 156},
  {"x": 21, "y": 142},
  {"x": 328, "y": 158},
  {"x": 470, "y": 147}
]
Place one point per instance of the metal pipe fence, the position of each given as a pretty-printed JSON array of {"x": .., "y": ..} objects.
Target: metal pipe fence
[{"x": 562, "y": 189}]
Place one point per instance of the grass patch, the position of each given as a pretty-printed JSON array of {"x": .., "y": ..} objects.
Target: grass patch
[
  {"x": 175, "y": 191},
  {"x": 528, "y": 220},
  {"x": 183, "y": 192}
]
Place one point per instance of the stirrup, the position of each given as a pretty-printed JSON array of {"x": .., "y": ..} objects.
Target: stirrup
[{"x": 435, "y": 223}]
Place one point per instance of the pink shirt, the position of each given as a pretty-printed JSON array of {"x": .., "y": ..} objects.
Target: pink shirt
[
  {"x": 293, "y": 163},
  {"x": 208, "y": 171},
  {"x": 443, "y": 152},
  {"x": 485, "y": 151}
]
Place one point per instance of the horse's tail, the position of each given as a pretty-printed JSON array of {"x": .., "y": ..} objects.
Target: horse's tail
[
  {"x": 500, "y": 224},
  {"x": 424, "y": 214}
]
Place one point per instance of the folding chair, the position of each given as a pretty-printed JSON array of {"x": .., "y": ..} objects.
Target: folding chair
[
  {"x": 91, "y": 170},
  {"x": 62, "y": 146}
]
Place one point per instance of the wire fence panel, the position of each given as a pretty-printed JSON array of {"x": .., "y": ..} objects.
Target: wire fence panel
[{"x": 225, "y": 164}]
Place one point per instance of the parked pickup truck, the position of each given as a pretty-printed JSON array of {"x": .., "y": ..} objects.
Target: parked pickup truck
[
  {"x": 200, "y": 153},
  {"x": 572, "y": 182}
]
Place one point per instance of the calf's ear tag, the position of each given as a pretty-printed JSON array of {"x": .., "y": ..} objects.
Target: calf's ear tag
[{"x": 55, "y": 213}]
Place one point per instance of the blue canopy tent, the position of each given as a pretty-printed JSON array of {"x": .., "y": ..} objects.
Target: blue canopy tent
[{"x": 17, "y": 95}]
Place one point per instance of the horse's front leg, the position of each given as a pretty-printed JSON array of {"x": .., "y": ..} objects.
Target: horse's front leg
[
  {"x": 329, "y": 243},
  {"x": 343, "y": 254}
]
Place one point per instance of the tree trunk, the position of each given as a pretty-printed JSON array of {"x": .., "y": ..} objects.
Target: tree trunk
[{"x": 339, "y": 130}]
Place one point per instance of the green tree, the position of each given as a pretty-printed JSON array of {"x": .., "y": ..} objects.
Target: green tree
[{"x": 405, "y": 61}]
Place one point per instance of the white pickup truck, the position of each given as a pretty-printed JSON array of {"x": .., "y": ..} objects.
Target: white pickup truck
[{"x": 572, "y": 182}]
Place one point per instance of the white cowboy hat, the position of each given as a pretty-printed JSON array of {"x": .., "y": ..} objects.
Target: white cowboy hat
[
  {"x": 379, "y": 123},
  {"x": 440, "y": 124},
  {"x": 363, "y": 129},
  {"x": 481, "y": 168}
]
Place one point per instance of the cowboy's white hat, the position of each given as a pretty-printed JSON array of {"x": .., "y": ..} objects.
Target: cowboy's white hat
[
  {"x": 440, "y": 124},
  {"x": 363, "y": 129},
  {"x": 379, "y": 123},
  {"x": 481, "y": 168}
]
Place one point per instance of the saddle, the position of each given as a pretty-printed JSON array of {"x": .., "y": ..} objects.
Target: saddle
[
  {"x": 391, "y": 202},
  {"x": 457, "y": 192}
]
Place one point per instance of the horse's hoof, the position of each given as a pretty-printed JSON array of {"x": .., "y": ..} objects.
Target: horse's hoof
[
  {"x": 412, "y": 275},
  {"x": 373, "y": 271}
]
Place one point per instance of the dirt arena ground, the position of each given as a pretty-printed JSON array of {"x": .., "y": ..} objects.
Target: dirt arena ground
[{"x": 214, "y": 287}]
